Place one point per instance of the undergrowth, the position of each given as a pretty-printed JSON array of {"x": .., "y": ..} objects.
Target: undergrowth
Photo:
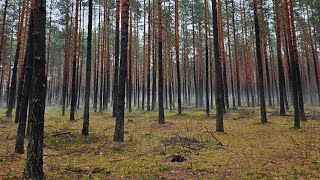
[{"x": 248, "y": 149}]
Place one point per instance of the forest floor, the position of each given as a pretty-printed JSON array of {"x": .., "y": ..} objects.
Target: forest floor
[{"x": 249, "y": 150}]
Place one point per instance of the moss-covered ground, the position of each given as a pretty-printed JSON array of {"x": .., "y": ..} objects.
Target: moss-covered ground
[{"x": 250, "y": 150}]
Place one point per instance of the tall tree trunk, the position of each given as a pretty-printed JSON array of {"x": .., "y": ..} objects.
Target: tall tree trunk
[
  {"x": 144, "y": 56},
  {"x": 194, "y": 57},
  {"x": 80, "y": 86},
  {"x": 292, "y": 65},
  {"x": 101, "y": 66},
  {"x": 218, "y": 68},
  {"x": 21, "y": 69},
  {"x": 12, "y": 93},
  {"x": 230, "y": 59},
  {"x": 74, "y": 65},
  {"x": 2, "y": 42},
  {"x": 130, "y": 61},
  {"x": 223, "y": 59},
  {"x": 207, "y": 57},
  {"x": 176, "y": 36},
  {"x": 244, "y": 52},
  {"x": 85, "y": 128},
  {"x": 116, "y": 61},
  {"x": 314, "y": 52},
  {"x": 282, "y": 82},
  {"x": 119, "y": 129},
  {"x": 265, "y": 55},
  {"x": 66, "y": 65},
  {"x": 260, "y": 68},
  {"x": 236, "y": 55},
  {"x": 160, "y": 82},
  {"x": 296, "y": 64},
  {"x": 9, "y": 67},
  {"x": 154, "y": 64},
  {"x": 25, "y": 83},
  {"x": 149, "y": 57},
  {"x": 95, "y": 67},
  {"x": 108, "y": 61},
  {"x": 34, "y": 162}
]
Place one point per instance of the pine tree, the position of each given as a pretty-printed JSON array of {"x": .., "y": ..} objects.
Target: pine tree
[
  {"x": 85, "y": 128},
  {"x": 74, "y": 65},
  {"x": 160, "y": 81},
  {"x": 260, "y": 68},
  {"x": 12, "y": 93},
  {"x": 119, "y": 128},
  {"x": 34, "y": 162},
  {"x": 279, "y": 57},
  {"x": 2, "y": 42},
  {"x": 207, "y": 56},
  {"x": 218, "y": 68},
  {"x": 177, "y": 53},
  {"x": 116, "y": 61}
]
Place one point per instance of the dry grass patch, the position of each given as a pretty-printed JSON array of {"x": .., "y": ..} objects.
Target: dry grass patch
[{"x": 249, "y": 150}]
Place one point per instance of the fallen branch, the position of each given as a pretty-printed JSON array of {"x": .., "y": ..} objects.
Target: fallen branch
[
  {"x": 46, "y": 145},
  {"x": 61, "y": 133},
  {"x": 8, "y": 136},
  {"x": 219, "y": 142}
]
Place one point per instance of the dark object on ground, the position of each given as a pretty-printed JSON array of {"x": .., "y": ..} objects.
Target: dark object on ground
[
  {"x": 60, "y": 133},
  {"x": 177, "y": 158}
]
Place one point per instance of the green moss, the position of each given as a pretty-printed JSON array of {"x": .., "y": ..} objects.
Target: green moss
[{"x": 251, "y": 150}]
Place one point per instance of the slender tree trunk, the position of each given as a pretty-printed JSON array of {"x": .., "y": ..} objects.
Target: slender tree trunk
[
  {"x": 21, "y": 70},
  {"x": 108, "y": 61},
  {"x": 2, "y": 78},
  {"x": 296, "y": 65},
  {"x": 154, "y": 68},
  {"x": 74, "y": 65},
  {"x": 66, "y": 65},
  {"x": 292, "y": 65},
  {"x": 95, "y": 77},
  {"x": 149, "y": 57},
  {"x": 244, "y": 53},
  {"x": 144, "y": 56},
  {"x": 9, "y": 67},
  {"x": 265, "y": 55},
  {"x": 211, "y": 74},
  {"x": 2, "y": 42},
  {"x": 230, "y": 59},
  {"x": 119, "y": 129},
  {"x": 260, "y": 68},
  {"x": 34, "y": 163},
  {"x": 12, "y": 93},
  {"x": 25, "y": 83},
  {"x": 236, "y": 54},
  {"x": 314, "y": 52},
  {"x": 160, "y": 82},
  {"x": 85, "y": 128},
  {"x": 223, "y": 59},
  {"x": 218, "y": 69},
  {"x": 116, "y": 61},
  {"x": 194, "y": 57},
  {"x": 130, "y": 61},
  {"x": 282, "y": 82},
  {"x": 176, "y": 16},
  {"x": 207, "y": 57},
  {"x": 101, "y": 69}
]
